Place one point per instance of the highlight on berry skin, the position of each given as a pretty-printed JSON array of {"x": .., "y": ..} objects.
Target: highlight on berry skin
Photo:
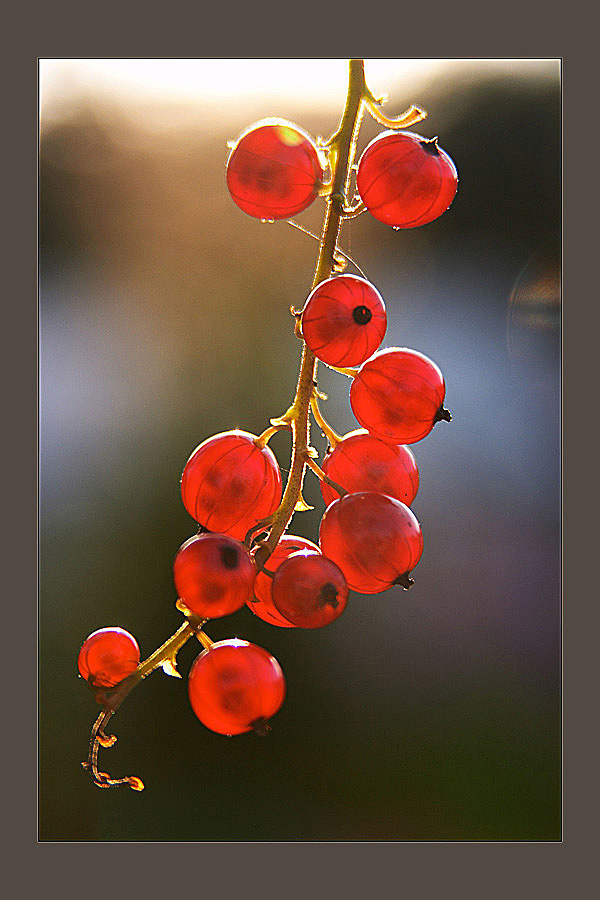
[
  {"x": 374, "y": 539},
  {"x": 108, "y": 656},
  {"x": 235, "y": 687},
  {"x": 344, "y": 320},
  {"x": 229, "y": 483},
  {"x": 406, "y": 180},
  {"x": 363, "y": 462},
  {"x": 309, "y": 590},
  {"x": 261, "y": 603},
  {"x": 214, "y": 575},
  {"x": 398, "y": 395},
  {"x": 274, "y": 171}
]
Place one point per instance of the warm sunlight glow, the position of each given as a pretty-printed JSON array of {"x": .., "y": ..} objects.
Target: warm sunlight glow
[{"x": 63, "y": 81}]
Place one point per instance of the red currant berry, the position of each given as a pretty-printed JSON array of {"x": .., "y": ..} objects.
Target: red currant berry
[
  {"x": 229, "y": 484},
  {"x": 398, "y": 394},
  {"x": 406, "y": 180},
  {"x": 262, "y": 602},
  {"x": 362, "y": 462},
  {"x": 309, "y": 590},
  {"x": 374, "y": 539},
  {"x": 108, "y": 656},
  {"x": 344, "y": 320},
  {"x": 235, "y": 687},
  {"x": 273, "y": 171},
  {"x": 214, "y": 575}
]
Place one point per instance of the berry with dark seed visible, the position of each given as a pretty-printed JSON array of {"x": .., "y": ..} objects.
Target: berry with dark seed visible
[
  {"x": 214, "y": 575},
  {"x": 309, "y": 590},
  {"x": 344, "y": 320},
  {"x": 262, "y": 603}
]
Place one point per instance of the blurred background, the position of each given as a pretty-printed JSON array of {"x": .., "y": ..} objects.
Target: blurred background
[{"x": 428, "y": 715}]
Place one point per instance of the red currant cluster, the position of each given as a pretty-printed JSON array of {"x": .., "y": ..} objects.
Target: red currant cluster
[{"x": 231, "y": 485}]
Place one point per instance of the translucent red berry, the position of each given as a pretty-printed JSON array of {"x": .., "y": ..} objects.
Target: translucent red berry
[
  {"x": 214, "y": 575},
  {"x": 229, "y": 484},
  {"x": 235, "y": 687},
  {"x": 262, "y": 602},
  {"x": 344, "y": 320},
  {"x": 374, "y": 539},
  {"x": 363, "y": 462},
  {"x": 108, "y": 656},
  {"x": 309, "y": 590},
  {"x": 273, "y": 171},
  {"x": 406, "y": 180},
  {"x": 398, "y": 395}
]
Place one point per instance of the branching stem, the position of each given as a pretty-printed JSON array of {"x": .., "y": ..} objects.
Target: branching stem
[
  {"x": 323, "y": 477},
  {"x": 342, "y": 150}
]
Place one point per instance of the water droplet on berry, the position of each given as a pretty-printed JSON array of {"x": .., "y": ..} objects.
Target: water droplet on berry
[{"x": 267, "y": 221}]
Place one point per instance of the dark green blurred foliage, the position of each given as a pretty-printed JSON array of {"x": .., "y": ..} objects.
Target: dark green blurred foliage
[{"x": 428, "y": 715}]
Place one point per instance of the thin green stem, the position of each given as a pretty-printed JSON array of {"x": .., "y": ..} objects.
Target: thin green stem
[
  {"x": 332, "y": 436},
  {"x": 349, "y": 373},
  {"x": 263, "y": 439},
  {"x": 316, "y": 468}
]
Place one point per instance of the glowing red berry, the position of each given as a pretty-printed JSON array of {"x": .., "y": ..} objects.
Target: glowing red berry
[
  {"x": 262, "y": 602},
  {"x": 273, "y": 171},
  {"x": 344, "y": 320},
  {"x": 374, "y": 539},
  {"x": 406, "y": 180},
  {"x": 363, "y": 462},
  {"x": 108, "y": 656},
  {"x": 214, "y": 575},
  {"x": 229, "y": 484},
  {"x": 309, "y": 590},
  {"x": 235, "y": 687},
  {"x": 398, "y": 395}
]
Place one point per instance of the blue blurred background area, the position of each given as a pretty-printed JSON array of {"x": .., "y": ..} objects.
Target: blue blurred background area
[{"x": 428, "y": 715}]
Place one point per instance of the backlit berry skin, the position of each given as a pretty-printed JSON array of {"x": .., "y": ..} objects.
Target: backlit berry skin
[
  {"x": 235, "y": 687},
  {"x": 262, "y": 603},
  {"x": 363, "y": 462},
  {"x": 273, "y": 171},
  {"x": 309, "y": 590},
  {"x": 228, "y": 483},
  {"x": 373, "y": 538},
  {"x": 108, "y": 656},
  {"x": 344, "y": 320},
  {"x": 406, "y": 180},
  {"x": 214, "y": 575},
  {"x": 398, "y": 395}
]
